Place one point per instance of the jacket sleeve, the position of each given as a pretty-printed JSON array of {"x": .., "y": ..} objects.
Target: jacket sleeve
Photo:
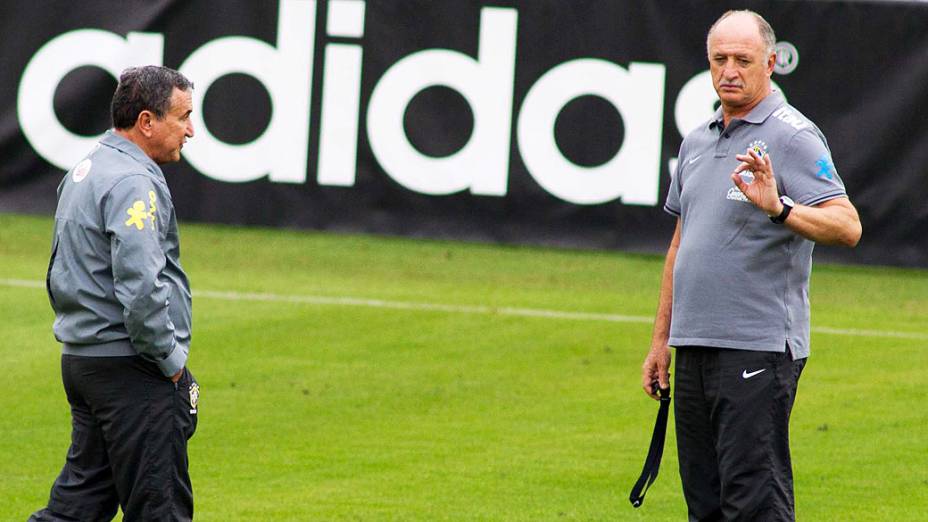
[{"x": 130, "y": 211}]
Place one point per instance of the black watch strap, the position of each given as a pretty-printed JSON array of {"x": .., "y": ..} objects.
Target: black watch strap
[{"x": 787, "y": 208}]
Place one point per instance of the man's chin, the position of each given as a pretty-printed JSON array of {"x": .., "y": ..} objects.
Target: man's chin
[
  {"x": 173, "y": 158},
  {"x": 732, "y": 99}
]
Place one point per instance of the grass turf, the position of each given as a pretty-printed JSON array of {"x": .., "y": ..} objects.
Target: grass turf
[{"x": 325, "y": 412}]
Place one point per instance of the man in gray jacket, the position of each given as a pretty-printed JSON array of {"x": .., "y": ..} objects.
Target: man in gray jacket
[{"x": 122, "y": 313}]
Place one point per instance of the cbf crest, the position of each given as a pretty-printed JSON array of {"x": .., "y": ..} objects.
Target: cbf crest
[
  {"x": 759, "y": 147},
  {"x": 194, "y": 397}
]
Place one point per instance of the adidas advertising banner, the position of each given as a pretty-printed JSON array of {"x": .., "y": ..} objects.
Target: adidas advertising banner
[{"x": 552, "y": 122}]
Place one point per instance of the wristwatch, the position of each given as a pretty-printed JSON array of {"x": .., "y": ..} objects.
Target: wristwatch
[{"x": 788, "y": 205}]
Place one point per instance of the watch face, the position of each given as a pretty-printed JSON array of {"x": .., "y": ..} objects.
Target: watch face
[{"x": 788, "y": 201}]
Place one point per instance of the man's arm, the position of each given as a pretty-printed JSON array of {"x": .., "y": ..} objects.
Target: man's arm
[
  {"x": 833, "y": 222},
  {"x": 132, "y": 223},
  {"x": 657, "y": 364}
]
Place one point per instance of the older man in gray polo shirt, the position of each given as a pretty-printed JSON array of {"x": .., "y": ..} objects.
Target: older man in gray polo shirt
[{"x": 734, "y": 294}]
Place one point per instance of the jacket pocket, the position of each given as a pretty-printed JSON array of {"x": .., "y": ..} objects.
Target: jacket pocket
[
  {"x": 48, "y": 273},
  {"x": 188, "y": 398}
]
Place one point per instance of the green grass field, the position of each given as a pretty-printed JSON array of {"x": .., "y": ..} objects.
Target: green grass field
[{"x": 327, "y": 410}]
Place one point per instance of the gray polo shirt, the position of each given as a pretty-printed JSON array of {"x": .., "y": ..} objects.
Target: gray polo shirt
[{"x": 741, "y": 281}]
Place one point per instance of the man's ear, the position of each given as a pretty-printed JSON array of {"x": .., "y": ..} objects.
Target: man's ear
[{"x": 144, "y": 123}]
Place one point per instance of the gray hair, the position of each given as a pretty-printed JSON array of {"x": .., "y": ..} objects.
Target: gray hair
[
  {"x": 147, "y": 88},
  {"x": 766, "y": 32}
]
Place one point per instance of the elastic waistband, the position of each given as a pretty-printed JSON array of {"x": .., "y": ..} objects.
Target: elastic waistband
[{"x": 118, "y": 348}]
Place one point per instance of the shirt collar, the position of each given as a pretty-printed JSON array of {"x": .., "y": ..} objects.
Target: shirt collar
[
  {"x": 114, "y": 140},
  {"x": 758, "y": 114}
]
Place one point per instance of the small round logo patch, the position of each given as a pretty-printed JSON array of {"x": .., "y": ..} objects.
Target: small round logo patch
[
  {"x": 81, "y": 170},
  {"x": 787, "y": 58}
]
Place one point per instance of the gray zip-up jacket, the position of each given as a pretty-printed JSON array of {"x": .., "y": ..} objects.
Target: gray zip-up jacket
[{"x": 114, "y": 277}]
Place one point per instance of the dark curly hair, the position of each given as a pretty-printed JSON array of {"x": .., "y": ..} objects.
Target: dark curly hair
[{"x": 145, "y": 88}]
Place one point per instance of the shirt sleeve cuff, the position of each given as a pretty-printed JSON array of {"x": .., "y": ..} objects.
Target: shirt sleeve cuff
[
  {"x": 816, "y": 199},
  {"x": 174, "y": 362}
]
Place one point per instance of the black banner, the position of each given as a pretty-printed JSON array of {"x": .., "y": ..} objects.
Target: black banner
[{"x": 545, "y": 121}]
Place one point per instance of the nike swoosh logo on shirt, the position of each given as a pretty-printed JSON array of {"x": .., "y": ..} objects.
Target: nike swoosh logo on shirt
[{"x": 747, "y": 375}]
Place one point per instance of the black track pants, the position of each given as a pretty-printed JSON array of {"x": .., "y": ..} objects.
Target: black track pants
[
  {"x": 732, "y": 411},
  {"x": 130, "y": 426}
]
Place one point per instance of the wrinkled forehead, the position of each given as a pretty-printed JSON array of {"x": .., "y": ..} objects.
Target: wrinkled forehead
[
  {"x": 736, "y": 32},
  {"x": 181, "y": 101}
]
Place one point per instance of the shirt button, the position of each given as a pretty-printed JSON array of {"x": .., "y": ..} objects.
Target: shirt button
[{"x": 726, "y": 135}]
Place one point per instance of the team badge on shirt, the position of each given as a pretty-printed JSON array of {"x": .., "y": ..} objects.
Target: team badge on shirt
[
  {"x": 81, "y": 170},
  {"x": 194, "y": 397},
  {"x": 138, "y": 214},
  {"x": 759, "y": 147}
]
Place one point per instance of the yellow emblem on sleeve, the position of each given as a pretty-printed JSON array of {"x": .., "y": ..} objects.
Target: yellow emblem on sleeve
[
  {"x": 138, "y": 215},
  {"x": 152, "y": 208}
]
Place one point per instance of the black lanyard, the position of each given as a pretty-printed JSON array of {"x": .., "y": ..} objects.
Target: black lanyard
[{"x": 653, "y": 462}]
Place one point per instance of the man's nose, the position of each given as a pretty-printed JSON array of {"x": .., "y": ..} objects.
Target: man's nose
[
  {"x": 189, "y": 130},
  {"x": 729, "y": 70}
]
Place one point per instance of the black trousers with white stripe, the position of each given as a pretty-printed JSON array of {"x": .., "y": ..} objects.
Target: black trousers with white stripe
[
  {"x": 130, "y": 427},
  {"x": 732, "y": 411}
]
